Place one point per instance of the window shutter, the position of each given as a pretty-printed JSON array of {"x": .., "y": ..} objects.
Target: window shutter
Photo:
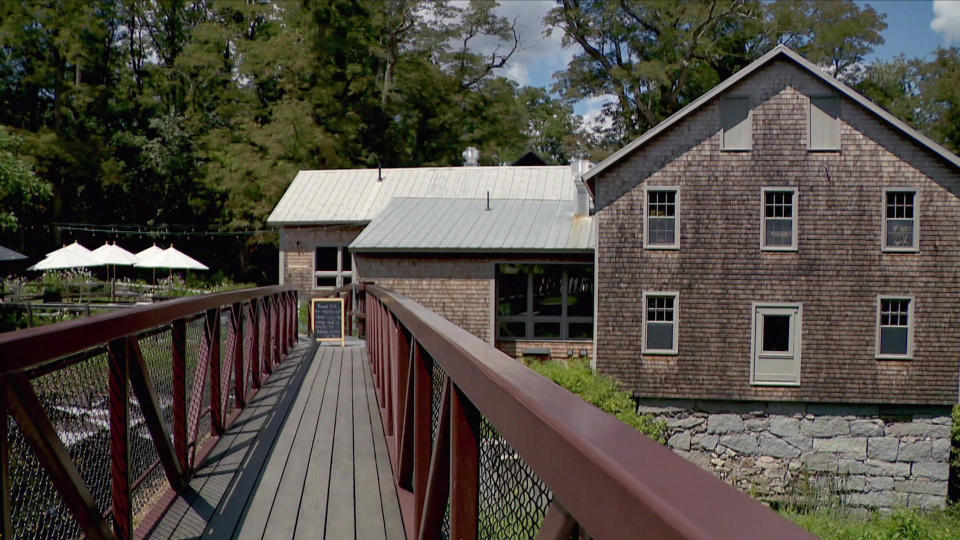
[
  {"x": 735, "y": 122},
  {"x": 824, "y": 126}
]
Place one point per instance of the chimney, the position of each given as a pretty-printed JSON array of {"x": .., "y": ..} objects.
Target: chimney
[
  {"x": 471, "y": 156},
  {"x": 581, "y": 207}
]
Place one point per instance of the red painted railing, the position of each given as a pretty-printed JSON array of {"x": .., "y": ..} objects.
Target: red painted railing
[
  {"x": 79, "y": 441},
  {"x": 484, "y": 447}
]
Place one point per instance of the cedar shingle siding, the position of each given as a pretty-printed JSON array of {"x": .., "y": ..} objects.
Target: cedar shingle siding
[{"x": 837, "y": 272}]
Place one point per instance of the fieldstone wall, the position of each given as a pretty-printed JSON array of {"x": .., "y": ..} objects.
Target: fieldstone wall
[{"x": 859, "y": 456}]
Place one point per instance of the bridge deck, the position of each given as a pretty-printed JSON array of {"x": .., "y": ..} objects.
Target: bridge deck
[{"x": 307, "y": 458}]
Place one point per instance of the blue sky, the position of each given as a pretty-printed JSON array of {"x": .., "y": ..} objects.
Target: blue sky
[{"x": 914, "y": 28}]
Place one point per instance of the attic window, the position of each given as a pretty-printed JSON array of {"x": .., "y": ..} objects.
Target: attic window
[
  {"x": 735, "y": 125},
  {"x": 824, "y": 123}
]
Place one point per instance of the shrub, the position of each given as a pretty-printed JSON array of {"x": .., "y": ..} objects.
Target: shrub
[{"x": 604, "y": 392}]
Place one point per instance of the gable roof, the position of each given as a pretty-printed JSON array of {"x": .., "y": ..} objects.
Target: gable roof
[
  {"x": 431, "y": 224},
  {"x": 780, "y": 51},
  {"x": 358, "y": 195}
]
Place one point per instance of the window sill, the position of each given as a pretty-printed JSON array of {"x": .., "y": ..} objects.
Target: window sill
[
  {"x": 544, "y": 340},
  {"x": 822, "y": 150},
  {"x": 655, "y": 352},
  {"x": 899, "y": 250},
  {"x": 894, "y": 357},
  {"x": 736, "y": 150},
  {"x": 774, "y": 383},
  {"x": 779, "y": 249},
  {"x": 662, "y": 248}
]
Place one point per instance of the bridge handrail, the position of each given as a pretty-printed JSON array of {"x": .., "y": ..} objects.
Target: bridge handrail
[
  {"x": 607, "y": 478},
  {"x": 54, "y": 381}
]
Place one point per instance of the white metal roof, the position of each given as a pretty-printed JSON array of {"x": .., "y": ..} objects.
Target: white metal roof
[
  {"x": 437, "y": 224},
  {"x": 356, "y": 195},
  {"x": 776, "y": 52}
]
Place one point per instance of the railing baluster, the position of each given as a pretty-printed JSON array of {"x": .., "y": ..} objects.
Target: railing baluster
[
  {"x": 236, "y": 333},
  {"x": 401, "y": 348},
  {"x": 390, "y": 383},
  {"x": 120, "y": 438},
  {"x": 267, "y": 336},
  {"x": 438, "y": 480},
  {"x": 405, "y": 435},
  {"x": 26, "y": 409},
  {"x": 422, "y": 400},
  {"x": 275, "y": 329},
  {"x": 212, "y": 336},
  {"x": 255, "y": 345},
  {"x": 179, "y": 340},
  {"x": 464, "y": 465},
  {"x": 6, "y": 522}
]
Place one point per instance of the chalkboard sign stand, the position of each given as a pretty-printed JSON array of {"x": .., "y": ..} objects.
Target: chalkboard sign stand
[{"x": 329, "y": 327}]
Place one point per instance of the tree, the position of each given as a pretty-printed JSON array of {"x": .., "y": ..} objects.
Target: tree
[{"x": 21, "y": 191}]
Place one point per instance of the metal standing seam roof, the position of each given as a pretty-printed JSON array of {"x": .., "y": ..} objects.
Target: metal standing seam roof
[
  {"x": 779, "y": 51},
  {"x": 356, "y": 195},
  {"x": 443, "y": 224}
]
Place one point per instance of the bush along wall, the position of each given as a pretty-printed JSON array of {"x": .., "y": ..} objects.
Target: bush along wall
[{"x": 814, "y": 455}]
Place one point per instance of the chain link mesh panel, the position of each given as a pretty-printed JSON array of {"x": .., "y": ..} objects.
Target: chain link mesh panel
[
  {"x": 247, "y": 346},
  {"x": 76, "y": 400},
  {"x": 438, "y": 377},
  {"x": 196, "y": 407},
  {"x": 157, "y": 351},
  {"x": 513, "y": 500}
]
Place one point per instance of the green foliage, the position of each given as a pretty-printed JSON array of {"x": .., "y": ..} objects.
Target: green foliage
[
  {"x": 577, "y": 377},
  {"x": 900, "y": 525},
  {"x": 20, "y": 189}
]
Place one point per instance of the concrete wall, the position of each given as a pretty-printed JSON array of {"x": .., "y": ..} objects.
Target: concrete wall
[
  {"x": 866, "y": 456},
  {"x": 836, "y": 273}
]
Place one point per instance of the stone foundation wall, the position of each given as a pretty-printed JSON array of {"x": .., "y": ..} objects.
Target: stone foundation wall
[{"x": 859, "y": 456}]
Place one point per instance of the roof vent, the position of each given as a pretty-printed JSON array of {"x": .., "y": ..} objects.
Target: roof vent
[
  {"x": 581, "y": 207},
  {"x": 471, "y": 156}
]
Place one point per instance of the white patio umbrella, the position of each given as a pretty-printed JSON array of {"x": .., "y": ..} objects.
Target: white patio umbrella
[
  {"x": 75, "y": 247},
  {"x": 65, "y": 259},
  {"x": 113, "y": 255},
  {"x": 171, "y": 258},
  {"x": 145, "y": 255}
]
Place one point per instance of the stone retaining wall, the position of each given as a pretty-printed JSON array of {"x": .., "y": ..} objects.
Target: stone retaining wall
[{"x": 860, "y": 456}]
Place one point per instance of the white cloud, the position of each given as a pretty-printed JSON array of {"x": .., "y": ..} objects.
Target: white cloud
[
  {"x": 946, "y": 20},
  {"x": 593, "y": 108}
]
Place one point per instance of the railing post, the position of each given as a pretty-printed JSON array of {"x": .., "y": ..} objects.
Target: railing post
[
  {"x": 285, "y": 316},
  {"x": 402, "y": 365},
  {"x": 6, "y": 521},
  {"x": 275, "y": 329},
  {"x": 422, "y": 402},
  {"x": 239, "y": 377},
  {"x": 265, "y": 346},
  {"x": 391, "y": 381},
  {"x": 294, "y": 316},
  {"x": 212, "y": 335},
  {"x": 464, "y": 465},
  {"x": 120, "y": 438},
  {"x": 179, "y": 339},
  {"x": 255, "y": 342}
]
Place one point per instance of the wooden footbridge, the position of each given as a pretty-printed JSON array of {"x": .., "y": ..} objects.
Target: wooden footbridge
[{"x": 207, "y": 416}]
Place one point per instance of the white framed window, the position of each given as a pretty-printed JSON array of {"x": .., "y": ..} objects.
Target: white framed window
[
  {"x": 895, "y": 327},
  {"x": 823, "y": 123},
  {"x": 544, "y": 301},
  {"x": 778, "y": 219},
  {"x": 776, "y": 344},
  {"x": 661, "y": 316},
  {"x": 735, "y": 125},
  {"x": 661, "y": 223},
  {"x": 332, "y": 267},
  {"x": 901, "y": 225}
]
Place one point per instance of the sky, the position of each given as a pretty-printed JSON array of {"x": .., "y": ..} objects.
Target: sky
[{"x": 915, "y": 28}]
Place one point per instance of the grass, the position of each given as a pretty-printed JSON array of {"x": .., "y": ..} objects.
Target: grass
[
  {"x": 837, "y": 524},
  {"x": 576, "y": 376}
]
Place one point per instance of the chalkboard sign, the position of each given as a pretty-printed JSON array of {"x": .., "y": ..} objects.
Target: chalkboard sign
[{"x": 326, "y": 319}]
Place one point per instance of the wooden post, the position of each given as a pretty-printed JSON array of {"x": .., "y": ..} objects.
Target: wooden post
[
  {"x": 212, "y": 336},
  {"x": 179, "y": 338},
  {"x": 390, "y": 383},
  {"x": 120, "y": 438},
  {"x": 267, "y": 336},
  {"x": 239, "y": 377},
  {"x": 255, "y": 346},
  {"x": 464, "y": 466},
  {"x": 422, "y": 402},
  {"x": 275, "y": 329},
  {"x": 6, "y": 521},
  {"x": 401, "y": 349}
]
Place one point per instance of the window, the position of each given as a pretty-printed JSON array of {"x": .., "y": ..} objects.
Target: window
[
  {"x": 663, "y": 213},
  {"x": 544, "y": 301},
  {"x": 778, "y": 231},
  {"x": 824, "y": 123},
  {"x": 735, "y": 123},
  {"x": 894, "y": 327},
  {"x": 660, "y": 323},
  {"x": 776, "y": 344},
  {"x": 332, "y": 267},
  {"x": 900, "y": 225}
]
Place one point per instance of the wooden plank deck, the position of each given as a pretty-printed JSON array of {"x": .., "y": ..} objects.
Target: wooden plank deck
[{"x": 307, "y": 458}]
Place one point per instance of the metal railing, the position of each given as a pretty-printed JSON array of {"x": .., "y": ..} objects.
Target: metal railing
[
  {"x": 82, "y": 455},
  {"x": 484, "y": 447}
]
